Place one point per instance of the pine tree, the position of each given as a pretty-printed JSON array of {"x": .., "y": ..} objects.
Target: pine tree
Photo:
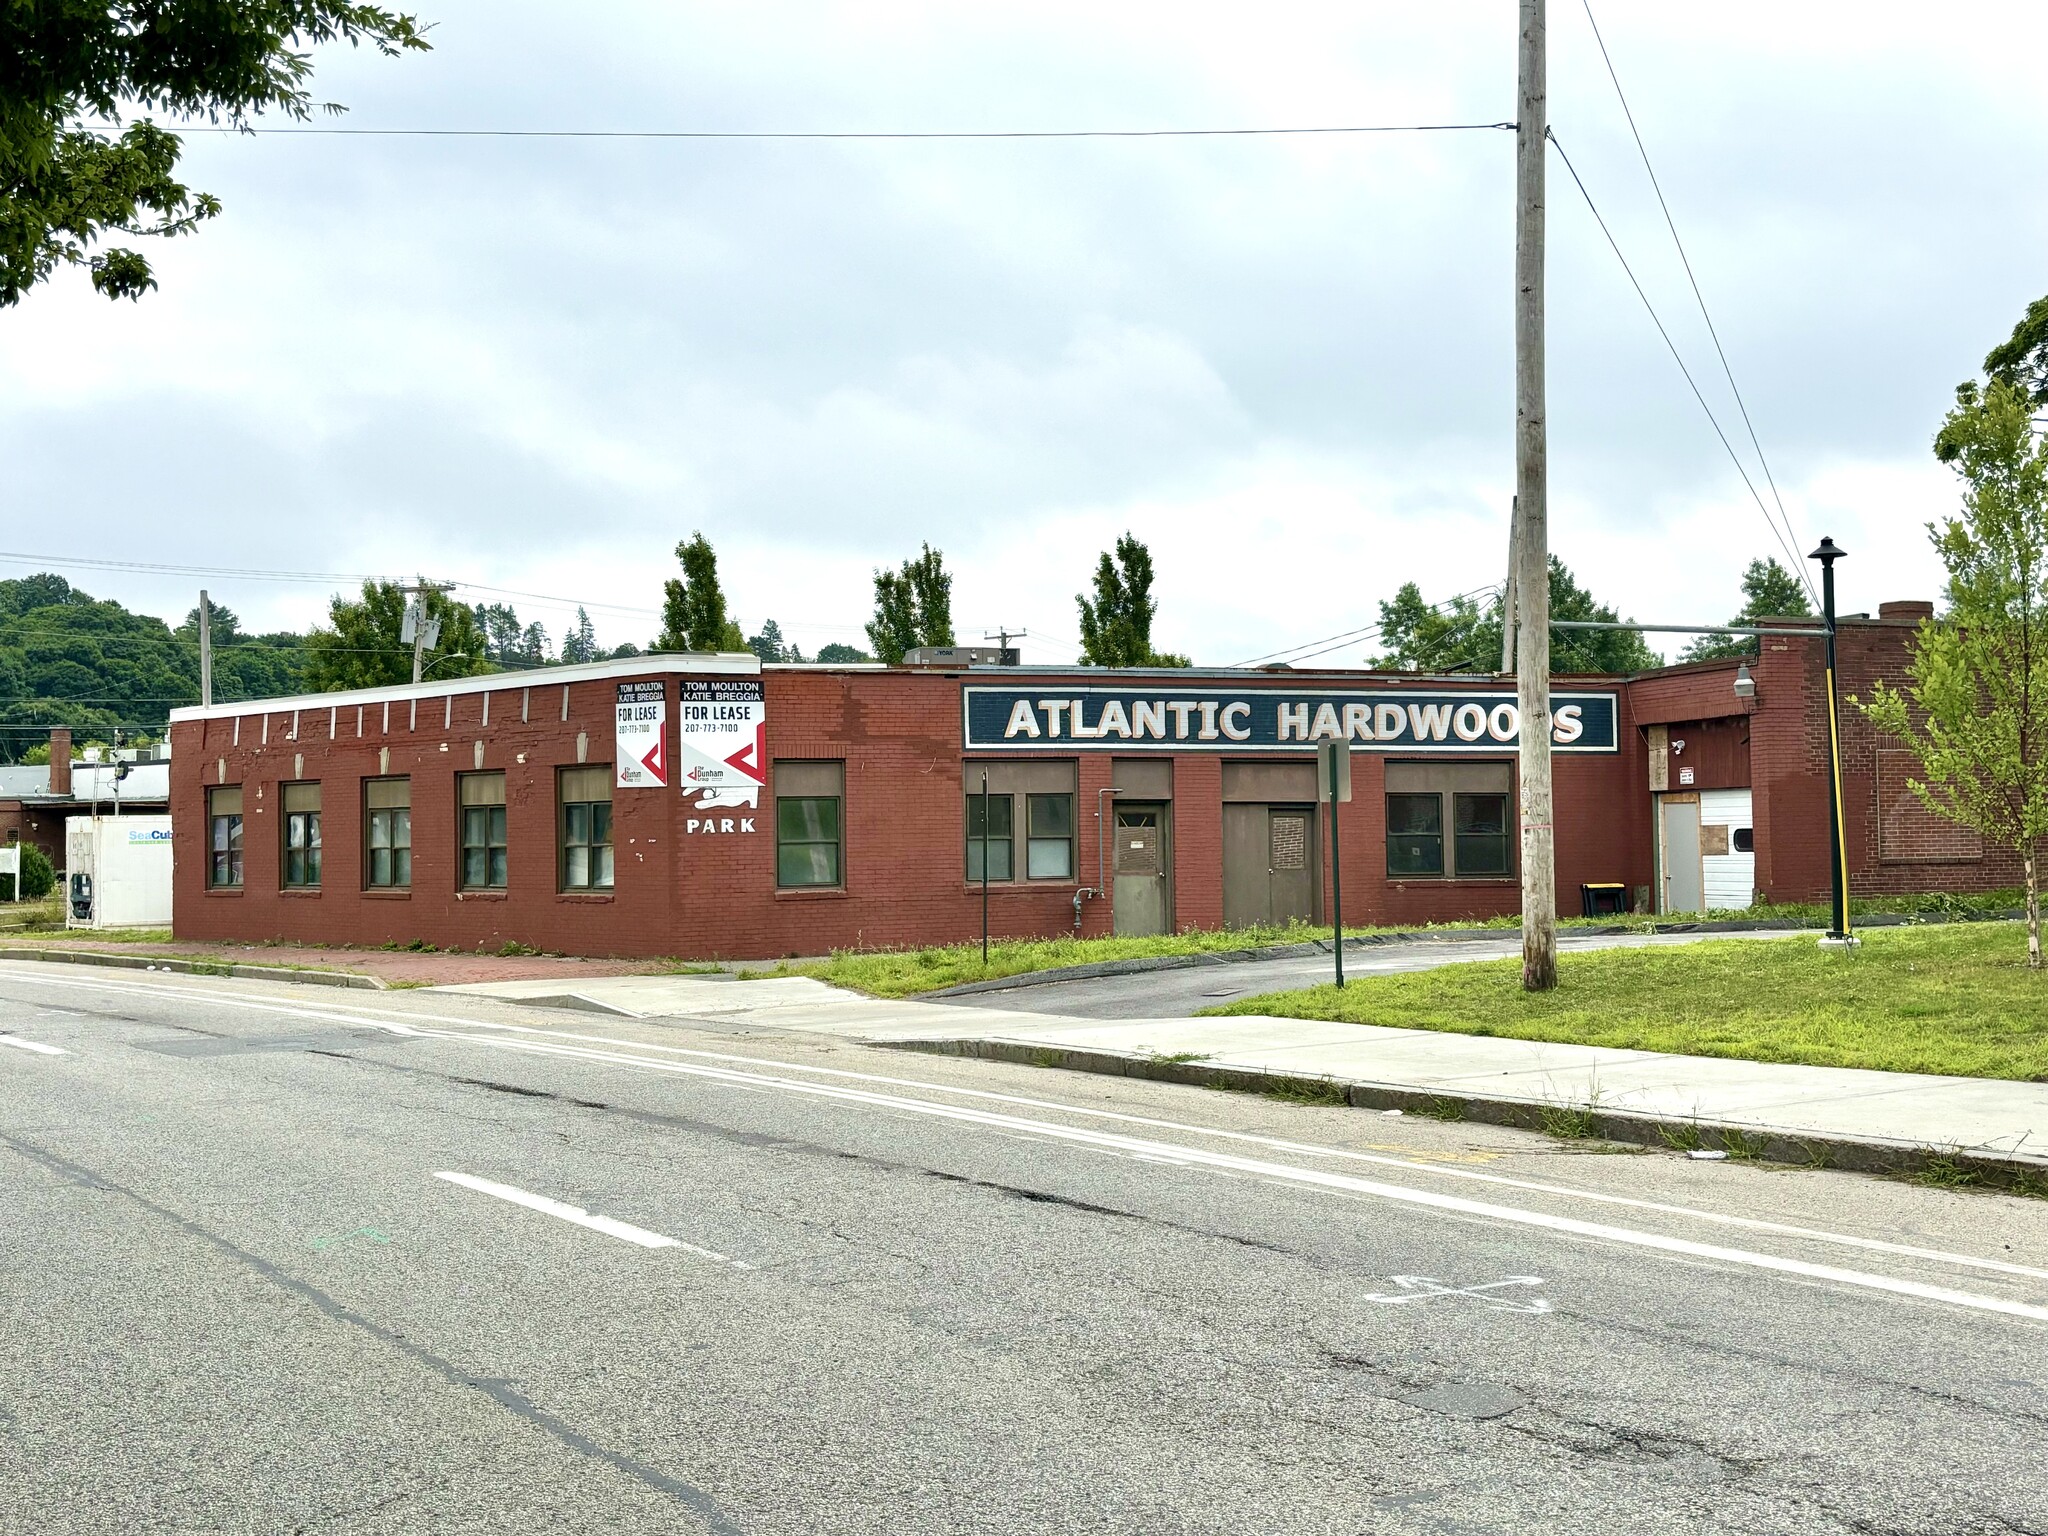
[
  {"x": 580, "y": 643},
  {"x": 1769, "y": 592}
]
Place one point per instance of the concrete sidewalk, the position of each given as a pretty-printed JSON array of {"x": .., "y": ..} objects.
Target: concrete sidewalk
[{"x": 1858, "y": 1118}]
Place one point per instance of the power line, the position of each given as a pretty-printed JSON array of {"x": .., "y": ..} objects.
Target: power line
[
  {"x": 1655, "y": 320},
  {"x": 830, "y": 135},
  {"x": 1685, "y": 260}
]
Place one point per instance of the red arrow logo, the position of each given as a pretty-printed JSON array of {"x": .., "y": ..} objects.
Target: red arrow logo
[{"x": 656, "y": 759}]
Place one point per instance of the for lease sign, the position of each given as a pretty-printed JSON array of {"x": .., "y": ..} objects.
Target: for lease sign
[{"x": 640, "y": 736}]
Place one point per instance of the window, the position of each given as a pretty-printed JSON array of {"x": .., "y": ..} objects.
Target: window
[
  {"x": 1481, "y": 823},
  {"x": 998, "y": 844},
  {"x": 1471, "y": 802},
  {"x": 1049, "y": 837},
  {"x": 1415, "y": 834},
  {"x": 1028, "y": 802},
  {"x": 481, "y": 797},
  {"x": 586, "y": 828},
  {"x": 387, "y": 834},
  {"x": 808, "y": 827},
  {"x": 224, "y": 843},
  {"x": 302, "y": 837},
  {"x": 1745, "y": 839}
]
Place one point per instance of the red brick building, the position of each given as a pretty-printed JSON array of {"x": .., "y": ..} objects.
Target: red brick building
[{"x": 704, "y": 806}]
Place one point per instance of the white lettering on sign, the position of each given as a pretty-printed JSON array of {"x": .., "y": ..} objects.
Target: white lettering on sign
[
  {"x": 1568, "y": 726},
  {"x": 1430, "y": 722},
  {"x": 1233, "y": 721},
  {"x": 719, "y": 824},
  {"x": 1023, "y": 720}
]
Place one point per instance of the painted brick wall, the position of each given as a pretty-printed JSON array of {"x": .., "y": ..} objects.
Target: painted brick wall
[{"x": 687, "y": 891}]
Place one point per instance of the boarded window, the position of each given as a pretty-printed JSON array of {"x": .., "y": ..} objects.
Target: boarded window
[
  {"x": 1290, "y": 843},
  {"x": 1909, "y": 833}
]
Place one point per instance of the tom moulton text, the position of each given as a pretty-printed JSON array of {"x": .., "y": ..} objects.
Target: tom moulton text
[{"x": 1221, "y": 719}]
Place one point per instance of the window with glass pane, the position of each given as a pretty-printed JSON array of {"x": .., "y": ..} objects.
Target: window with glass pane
[
  {"x": 224, "y": 818},
  {"x": 302, "y": 836},
  {"x": 1481, "y": 826},
  {"x": 1000, "y": 848},
  {"x": 387, "y": 834},
  {"x": 1049, "y": 837},
  {"x": 1415, "y": 835},
  {"x": 807, "y": 840},
  {"x": 586, "y": 796}
]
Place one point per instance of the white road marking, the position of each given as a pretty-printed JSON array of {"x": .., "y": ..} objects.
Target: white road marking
[
  {"x": 1422, "y": 1288},
  {"x": 32, "y": 1045},
  {"x": 626, "y": 1232},
  {"x": 550, "y": 1044}
]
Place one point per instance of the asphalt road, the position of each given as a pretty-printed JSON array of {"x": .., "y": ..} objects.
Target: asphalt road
[
  {"x": 1174, "y": 994},
  {"x": 689, "y": 1280}
]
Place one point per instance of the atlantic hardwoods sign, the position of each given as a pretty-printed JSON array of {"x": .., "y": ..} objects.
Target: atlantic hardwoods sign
[{"x": 1272, "y": 719}]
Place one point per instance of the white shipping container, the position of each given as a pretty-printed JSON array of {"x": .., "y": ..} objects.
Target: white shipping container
[{"x": 128, "y": 861}]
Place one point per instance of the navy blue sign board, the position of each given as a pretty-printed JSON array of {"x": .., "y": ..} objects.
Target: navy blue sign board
[{"x": 1054, "y": 718}]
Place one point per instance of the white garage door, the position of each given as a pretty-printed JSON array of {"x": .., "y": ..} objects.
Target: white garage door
[{"x": 1725, "y": 825}]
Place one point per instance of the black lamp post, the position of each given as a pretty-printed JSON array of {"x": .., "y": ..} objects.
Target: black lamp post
[{"x": 1838, "y": 843}]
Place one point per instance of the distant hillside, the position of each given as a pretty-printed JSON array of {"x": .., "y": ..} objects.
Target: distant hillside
[{"x": 67, "y": 658}]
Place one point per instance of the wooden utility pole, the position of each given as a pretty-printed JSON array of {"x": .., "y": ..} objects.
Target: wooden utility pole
[
  {"x": 1532, "y": 533},
  {"x": 205, "y": 650}
]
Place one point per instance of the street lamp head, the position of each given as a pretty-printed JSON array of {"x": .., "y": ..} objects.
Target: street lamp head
[
  {"x": 1829, "y": 552},
  {"x": 1745, "y": 685}
]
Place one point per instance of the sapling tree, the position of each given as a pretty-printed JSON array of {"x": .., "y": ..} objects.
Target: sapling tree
[{"x": 1974, "y": 710}]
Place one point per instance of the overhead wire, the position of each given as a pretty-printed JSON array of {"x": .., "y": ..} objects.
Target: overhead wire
[
  {"x": 1693, "y": 384},
  {"x": 1672, "y": 224},
  {"x": 249, "y": 130}
]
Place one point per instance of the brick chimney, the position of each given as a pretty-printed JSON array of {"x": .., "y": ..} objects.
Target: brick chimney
[
  {"x": 1904, "y": 613},
  {"x": 60, "y": 759}
]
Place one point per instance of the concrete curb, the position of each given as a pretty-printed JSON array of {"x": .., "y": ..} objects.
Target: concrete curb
[
  {"x": 187, "y": 967},
  {"x": 1891, "y": 1158},
  {"x": 1141, "y": 964}
]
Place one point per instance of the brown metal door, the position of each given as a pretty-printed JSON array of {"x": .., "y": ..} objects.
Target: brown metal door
[
  {"x": 1247, "y": 871},
  {"x": 1292, "y": 861},
  {"x": 1140, "y": 896}
]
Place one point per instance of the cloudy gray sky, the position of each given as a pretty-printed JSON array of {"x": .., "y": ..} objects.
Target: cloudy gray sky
[{"x": 1284, "y": 362}]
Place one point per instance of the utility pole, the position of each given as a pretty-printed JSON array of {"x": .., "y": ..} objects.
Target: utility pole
[
  {"x": 1532, "y": 532},
  {"x": 205, "y": 649},
  {"x": 422, "y": 632}
]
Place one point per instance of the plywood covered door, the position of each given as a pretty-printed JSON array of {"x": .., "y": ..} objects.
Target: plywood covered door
[{"x": 1684, "y": 886}]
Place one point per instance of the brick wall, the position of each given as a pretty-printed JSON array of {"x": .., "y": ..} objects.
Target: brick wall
[
  {"x": 1894, "y": 845},
  {"x": 712, "y": 894}
]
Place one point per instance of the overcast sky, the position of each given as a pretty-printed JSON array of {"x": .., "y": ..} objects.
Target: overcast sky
[{"x": 1286, "y": 363}]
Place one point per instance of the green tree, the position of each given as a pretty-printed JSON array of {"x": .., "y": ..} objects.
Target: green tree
[
  {"x": 1116, "y": 628},
  {"x": 1769, "y": 591},
  {"x": 770, "y": 646},
  {"x": 2022, "y": 359},
  {"x": 913, "y": 607},
  {"x": 37, "y": 877},
  {"x": 67, "y": 67},
  {"x": 838, "y": 655},
  {"x": 1462, "y": 635},
  {"x": 693, "y": 616},
  {"x": 579, "y": 642},
  {"x": 360, "y": 645},
  {"x": 1974, "y": 710}
]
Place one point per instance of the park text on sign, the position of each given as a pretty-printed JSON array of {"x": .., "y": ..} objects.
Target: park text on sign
[
  {"x": 640, "y": 736},
  {"x": 1275, "y": 719}
]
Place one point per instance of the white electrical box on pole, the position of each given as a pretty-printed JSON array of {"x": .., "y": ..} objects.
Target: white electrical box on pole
[
  {"x": 205, "y": 649},
  {"x": 1532, "y": 533}
]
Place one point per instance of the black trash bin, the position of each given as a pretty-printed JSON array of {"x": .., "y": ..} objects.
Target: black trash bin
[{"x": 1603, "y": 899}]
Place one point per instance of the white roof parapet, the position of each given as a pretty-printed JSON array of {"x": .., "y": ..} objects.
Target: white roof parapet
[{"x": 666, "y": 663}]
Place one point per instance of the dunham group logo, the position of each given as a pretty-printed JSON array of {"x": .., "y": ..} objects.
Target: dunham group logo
[{"x": 722, "y": 756}]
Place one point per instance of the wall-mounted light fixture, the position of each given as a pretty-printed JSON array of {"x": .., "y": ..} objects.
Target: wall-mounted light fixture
[{"x": 1745, "y": 685}]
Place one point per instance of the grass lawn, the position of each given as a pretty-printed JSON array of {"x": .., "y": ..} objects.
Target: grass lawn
[{"x": 1951, "y": 999}]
